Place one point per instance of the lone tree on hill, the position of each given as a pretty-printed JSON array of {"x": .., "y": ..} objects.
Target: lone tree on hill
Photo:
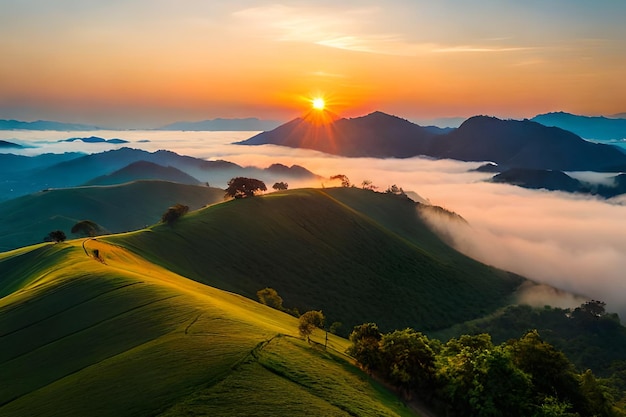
[
  {"x": 86, "y": 228},
  {"x": 270, "y": 297},
  {"x": 280, "y": 186},
  {"x": 240, "y": 187},
  {"x": 174, "y": 213},
  {"x": 309, "y": 321},
  {"x": 57, "y": 236}
]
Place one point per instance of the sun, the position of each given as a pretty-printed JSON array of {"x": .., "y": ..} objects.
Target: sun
[{"x": 318, "y": 103}]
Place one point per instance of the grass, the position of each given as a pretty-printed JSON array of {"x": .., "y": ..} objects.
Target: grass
[
  {"x": 126, "y": 337},
  {"x": 119, "y": 208},
  {"x": 344, "y": 251}
]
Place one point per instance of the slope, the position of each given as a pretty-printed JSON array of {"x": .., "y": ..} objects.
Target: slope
[
  {"x": 320, "y": 253},
  {"x": 28, "y": 219},
  {"x": 123, "y": 337}
]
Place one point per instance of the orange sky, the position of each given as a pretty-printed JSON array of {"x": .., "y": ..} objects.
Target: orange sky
[{"x": 149, "y": 63}]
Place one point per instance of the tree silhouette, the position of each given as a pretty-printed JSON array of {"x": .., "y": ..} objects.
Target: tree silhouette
[
  {"x": 174, "y": 213},
  {"x": 345, "y": 181},
  {"x": 241, "y": 187},
  {"x": 279, "y": 186},
  {"x": 57, "y": 236}
]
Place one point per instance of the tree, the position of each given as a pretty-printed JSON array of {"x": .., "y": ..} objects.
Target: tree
[
  {"x": 407, "y": 359},
  {"x": 57, "y": 236},
  {"x": 241, "y": 187},
  {"x": 270, "y": 298},
  {"x": 308, "y": 322},
  {"x": 367, "y": 185},
  {"x": 86, "y": 228},
  {"x": 174, "y": 213},
  {"x": 345, "y": 182},
  {"x": 280, "y": 186},
  {"x": 365, "y": 347}
]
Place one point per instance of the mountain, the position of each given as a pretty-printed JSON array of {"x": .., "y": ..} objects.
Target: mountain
[
  {"x": 596, "y": 127},
  {"x": 44, "y": 125},
  {"x": 73, "y": 171},
  {"x": 526, "y": 144},
  {"x": 352, "y": 253},
  {"x": 95, "y": 139},
  {"x": 5, "y": 144},
  {"x": 27, "y": 220},
  {"x": 509, "y": 143},
  {"x": 91, "y": 329},
  {"x": 219, "y": 124},
  {"x": 376, "y": 135},
  {"x": 143, "y": 170}
]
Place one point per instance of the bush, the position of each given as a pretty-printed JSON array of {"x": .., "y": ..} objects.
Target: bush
[{"x": 174, "y": 213}]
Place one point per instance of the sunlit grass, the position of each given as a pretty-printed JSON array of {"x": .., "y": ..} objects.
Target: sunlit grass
[{"x": 122, "y": 336}]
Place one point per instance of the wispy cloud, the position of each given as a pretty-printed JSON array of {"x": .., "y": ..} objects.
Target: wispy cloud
[{"x": 347, "y": 30}]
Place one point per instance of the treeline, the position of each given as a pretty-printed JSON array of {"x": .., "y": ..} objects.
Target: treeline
[{"x": 469, "y": 376}]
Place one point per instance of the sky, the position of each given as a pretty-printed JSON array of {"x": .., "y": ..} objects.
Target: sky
[{"x": 147, "y": 63}]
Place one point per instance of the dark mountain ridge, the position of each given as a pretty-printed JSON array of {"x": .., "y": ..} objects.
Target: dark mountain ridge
[
  {"x": 560, "y": 181},
  {"x": 509, "y": 143}
]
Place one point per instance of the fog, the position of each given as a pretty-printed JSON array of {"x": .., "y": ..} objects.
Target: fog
[{"x": 571, "y": 242}]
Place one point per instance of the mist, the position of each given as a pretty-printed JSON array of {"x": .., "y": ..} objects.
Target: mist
[{"x": 571, "y": 242}]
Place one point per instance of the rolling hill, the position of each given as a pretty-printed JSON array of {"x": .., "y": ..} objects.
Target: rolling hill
[
  {"x": 119, "y": 336},
  {"x": 350, "y": 252},
  {"x": 509, "y": 143},
  {"x": 28, "y": 219}
]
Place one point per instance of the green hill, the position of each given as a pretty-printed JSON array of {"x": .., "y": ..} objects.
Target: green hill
[
  {"x": 27, "y": 220},
  {"x": 358, "y": 255},
  {"x": 124, "y": 337}
]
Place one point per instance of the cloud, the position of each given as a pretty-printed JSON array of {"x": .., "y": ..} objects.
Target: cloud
[{"x": 575, "y": 243}]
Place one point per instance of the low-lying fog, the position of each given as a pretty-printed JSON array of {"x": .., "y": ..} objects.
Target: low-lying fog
[{"x": 572, "y": 242}]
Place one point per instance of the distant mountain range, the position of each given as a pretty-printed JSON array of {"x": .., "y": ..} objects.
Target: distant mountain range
[
  {"x": 20, "y": 175},
  {"x": 219, "y": 124},
  {"x": 597, "y": 127},
  {"x": 44, "y": 125},
  {"x": 508, "y": 143}
]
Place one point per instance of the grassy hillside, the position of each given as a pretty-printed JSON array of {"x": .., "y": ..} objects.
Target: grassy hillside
[
  {"x": 122, "y": 337},
  {"x": 357, "y": 255},
  {"x": 27, "y": 220}
]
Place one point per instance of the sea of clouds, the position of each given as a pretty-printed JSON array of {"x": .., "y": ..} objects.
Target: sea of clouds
[{"x": 572, "y": 242}]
